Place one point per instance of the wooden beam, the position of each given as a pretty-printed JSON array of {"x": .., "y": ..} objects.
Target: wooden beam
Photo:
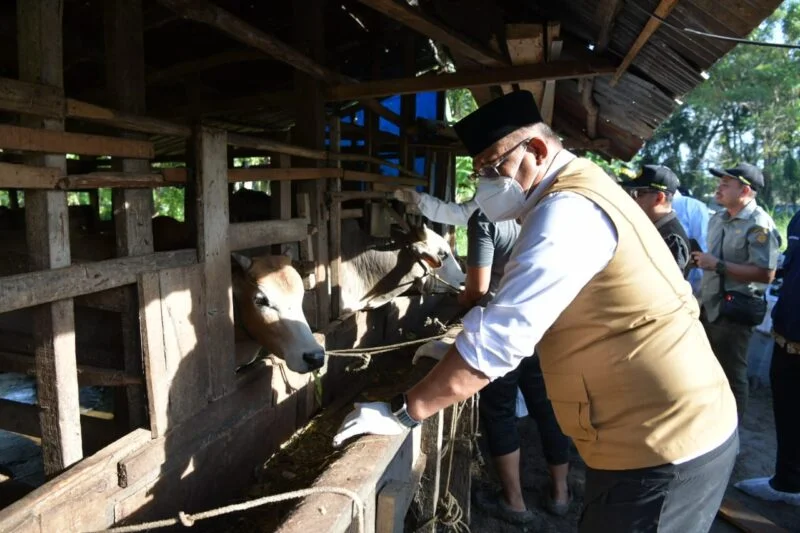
[
  {"x": 28, "y": 177},
  {"x": 31, "y": 98},
  {"x": 180, "y": 70},
  {"x": 88, "y": 376},
  {"x": 40, "y": 59},
  {"x": 607, "y": 11},
  {"x": 352, "y": 213},
  {"x": 418, "y": 21},
  {"x": 663, "y": 10},
  {"x": 112, "y": 180},
  {"x": 558, "y": 70},
  {"x": 335, "y": 225},
  {"x": 554, "y": 46},
  {"x": 44, "y": 286},
  {"x": 244, "y": 235},
  {"x": 59, "y": 142},
  {"x": 526, "y": 46},
  {"x": 154, "y": 352},
  {"x": 126, "y": 121},
  {"x": 213, "y": 251}
]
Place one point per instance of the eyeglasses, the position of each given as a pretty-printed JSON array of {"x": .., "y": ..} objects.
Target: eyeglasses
[
  {"x": 492, "y": 171},
  {"x": 641, "y": 191}
]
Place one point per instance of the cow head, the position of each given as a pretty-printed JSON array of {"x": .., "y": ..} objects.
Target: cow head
[
  {"x": 439, "y": 272},
  {"x": 268, "y": 295}
]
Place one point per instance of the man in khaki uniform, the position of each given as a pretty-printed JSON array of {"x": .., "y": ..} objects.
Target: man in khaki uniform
[
  {"x": 743, "y": 250},
  {"x": 625, "y": 360}
]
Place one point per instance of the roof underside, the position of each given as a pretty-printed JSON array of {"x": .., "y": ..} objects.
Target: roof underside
[{"x": 194, "y": 70}]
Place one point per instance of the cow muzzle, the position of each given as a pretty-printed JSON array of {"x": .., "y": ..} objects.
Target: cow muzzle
[{"x": 314, "y": 359}]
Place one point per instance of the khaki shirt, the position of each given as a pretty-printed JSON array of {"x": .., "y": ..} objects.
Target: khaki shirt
[{"x": 749, "y": 238}]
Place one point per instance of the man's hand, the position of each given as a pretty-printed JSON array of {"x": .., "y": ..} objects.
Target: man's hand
[
  {"x": 705, "y": 261},
  {"x": 407, "y": 196},
  {"x": 373, "y": 418}
]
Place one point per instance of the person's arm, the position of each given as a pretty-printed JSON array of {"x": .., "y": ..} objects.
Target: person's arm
[
  {"x": 680, "y": 250},
  {"x": 480, "y": 256},
  {"x": 762, "y": 247},
  {"x": 535, "y": 290},
  {"x": 437, "y": 210}
]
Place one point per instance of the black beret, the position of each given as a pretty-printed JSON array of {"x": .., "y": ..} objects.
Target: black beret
[{"x": 493, "y": 121}]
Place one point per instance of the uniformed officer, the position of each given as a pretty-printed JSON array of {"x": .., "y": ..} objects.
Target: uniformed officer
[
  {"x": 742, "y": 256},
  {"x": 627, "y": 365},
  {"x": 653, "y": 190}
]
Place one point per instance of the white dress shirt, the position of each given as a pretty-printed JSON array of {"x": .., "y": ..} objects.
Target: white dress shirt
[
  {"x": 437, "y": 210},
  {"x": 693, "y": 216},
  {"x": 565, "y": 241}
]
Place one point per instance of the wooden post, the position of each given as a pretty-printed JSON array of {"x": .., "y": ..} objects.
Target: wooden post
[
  {"x": 309, "y": 131},
  {"x": 335, "y": 243},
  {"x": 213, "y": 250},
  {"x": 39, "y": 36},
  {"x": 13, "y": 198},
  {"x": 133, "y": 208}
]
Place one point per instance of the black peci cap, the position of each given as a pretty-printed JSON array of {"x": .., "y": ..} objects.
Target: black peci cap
[
  {"x": 493, "y": 121},
  {"x": 743, "y": 172},
  {"x": 655, "y": 177}
]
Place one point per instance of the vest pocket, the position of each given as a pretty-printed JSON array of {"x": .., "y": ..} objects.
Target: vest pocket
[{"x": 570, "y": 401}]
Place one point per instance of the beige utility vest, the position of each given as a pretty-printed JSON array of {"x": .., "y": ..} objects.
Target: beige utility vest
[{"x": 627, "y": 365}]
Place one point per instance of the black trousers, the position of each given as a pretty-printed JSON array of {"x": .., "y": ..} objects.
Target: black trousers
[
  {"x": 784, "y": 377},
  {"x": 498, "y": 403},
  {"x": 669, "y": 498}
]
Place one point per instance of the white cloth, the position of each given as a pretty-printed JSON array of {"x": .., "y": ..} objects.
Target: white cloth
[
  {"x": 565, "y": 241},
  {"x": 693, "y": 216},
  {"x": 437, "y": 210}
]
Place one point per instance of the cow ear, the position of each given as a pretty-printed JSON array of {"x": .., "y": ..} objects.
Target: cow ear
[
  {"x": 242, "y": 260},
  {"x": 420, "y": 233}
]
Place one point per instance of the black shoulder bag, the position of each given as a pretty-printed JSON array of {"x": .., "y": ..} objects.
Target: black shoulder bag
[{"x": 738, "y": 306}]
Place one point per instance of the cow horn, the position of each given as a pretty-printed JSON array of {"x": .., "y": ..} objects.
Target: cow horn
[{"x": 243, "y": 261}]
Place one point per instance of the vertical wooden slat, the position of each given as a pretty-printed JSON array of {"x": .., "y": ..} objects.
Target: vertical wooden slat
[
  {"x": 39, "y": 34},
  {"x": 335, "y": 244},
  {"x": 154, "y": 353},
  {"x": 213, "y": 252},
  {"x": 133, "y": 208},
  {"x": 309, "y": 131}
]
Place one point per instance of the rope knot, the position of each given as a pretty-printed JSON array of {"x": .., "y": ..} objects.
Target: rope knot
[{"x": 185, "y": 519}]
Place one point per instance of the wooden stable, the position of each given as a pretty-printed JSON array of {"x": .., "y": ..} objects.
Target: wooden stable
[{"x": 176, "y": 107}]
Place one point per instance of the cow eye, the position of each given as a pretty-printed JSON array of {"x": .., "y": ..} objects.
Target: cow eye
[
  {"x": 261, "y": 300},
  {"x": 443, "y": 254}
]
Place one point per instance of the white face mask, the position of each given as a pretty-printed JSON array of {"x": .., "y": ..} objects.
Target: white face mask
[{"x": 500, "y": 198}]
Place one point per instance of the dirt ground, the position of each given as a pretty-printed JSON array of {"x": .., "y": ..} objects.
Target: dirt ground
[{"x": 755, "y": 459}]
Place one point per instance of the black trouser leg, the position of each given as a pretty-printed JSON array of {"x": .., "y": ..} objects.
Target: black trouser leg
[
  {"x": 669, "y": 498},
  {"x": 784, "y": 377},
  {"x": 531, "y": 382},
  {"x": 730, "y": 341}
]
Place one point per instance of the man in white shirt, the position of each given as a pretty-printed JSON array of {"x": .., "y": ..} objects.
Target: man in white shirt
[{"x": 625, "y": 359}]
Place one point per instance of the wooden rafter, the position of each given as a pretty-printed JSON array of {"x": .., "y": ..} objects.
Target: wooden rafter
[
  {"x": 607, "y": 12},
  {"x": 418, "y": 21},
  {"x": 545, "y": 71},
  {"x": 179, "y": 70},
  {"x": 663, "y": 10}
]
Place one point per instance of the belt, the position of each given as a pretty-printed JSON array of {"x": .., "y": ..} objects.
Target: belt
[{"x": 790, "y": 347}]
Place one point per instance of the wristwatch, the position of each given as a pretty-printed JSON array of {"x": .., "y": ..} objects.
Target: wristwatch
[
  {"x": 399, "y": 409},
  {"x": 720, "y": 268}
]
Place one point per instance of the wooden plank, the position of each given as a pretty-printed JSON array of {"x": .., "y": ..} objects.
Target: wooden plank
[
  {"x": 553, "y": 54},
  {"x": 36, "y": 288},
  {"x": 245, "y": 235},
  {"x": 88, "y": 376},
  {"x": 557, "y": 70},
  {"x": 154, "y": 352},
  {"x": 178, "y": 175},
  {"x": 335, "y": 241},
  {"x": 418, "y": 21},
  {"x": 269, "y": 145},
  {"x": 213, "y": 251},
  {"x": 746, "y": 519},
  {"x": 282, "y": 174},
  {"x": 110, "y": 300},
  {"x": 607, "y": 11},
  {"x": 31, "y": 98},
  {"x": 112, "y": 180},
  {"x": 526, "y": 47},
  {"x": 126, "y": 121},
  {"x": 662, "y": 11},
  {"x": 432, "y": 436},
  {"x": 40, "y": 59},
  {"x": 87, "y": 478},
  {"x": 28, "y": 177},
  {"x": 187, "y": 342},
  {"x": 133, "y": 209},
  {"x": 59, "y": 142},
  {"x": 360, "y": 195},
  {"x": 395, "y": 498}
]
